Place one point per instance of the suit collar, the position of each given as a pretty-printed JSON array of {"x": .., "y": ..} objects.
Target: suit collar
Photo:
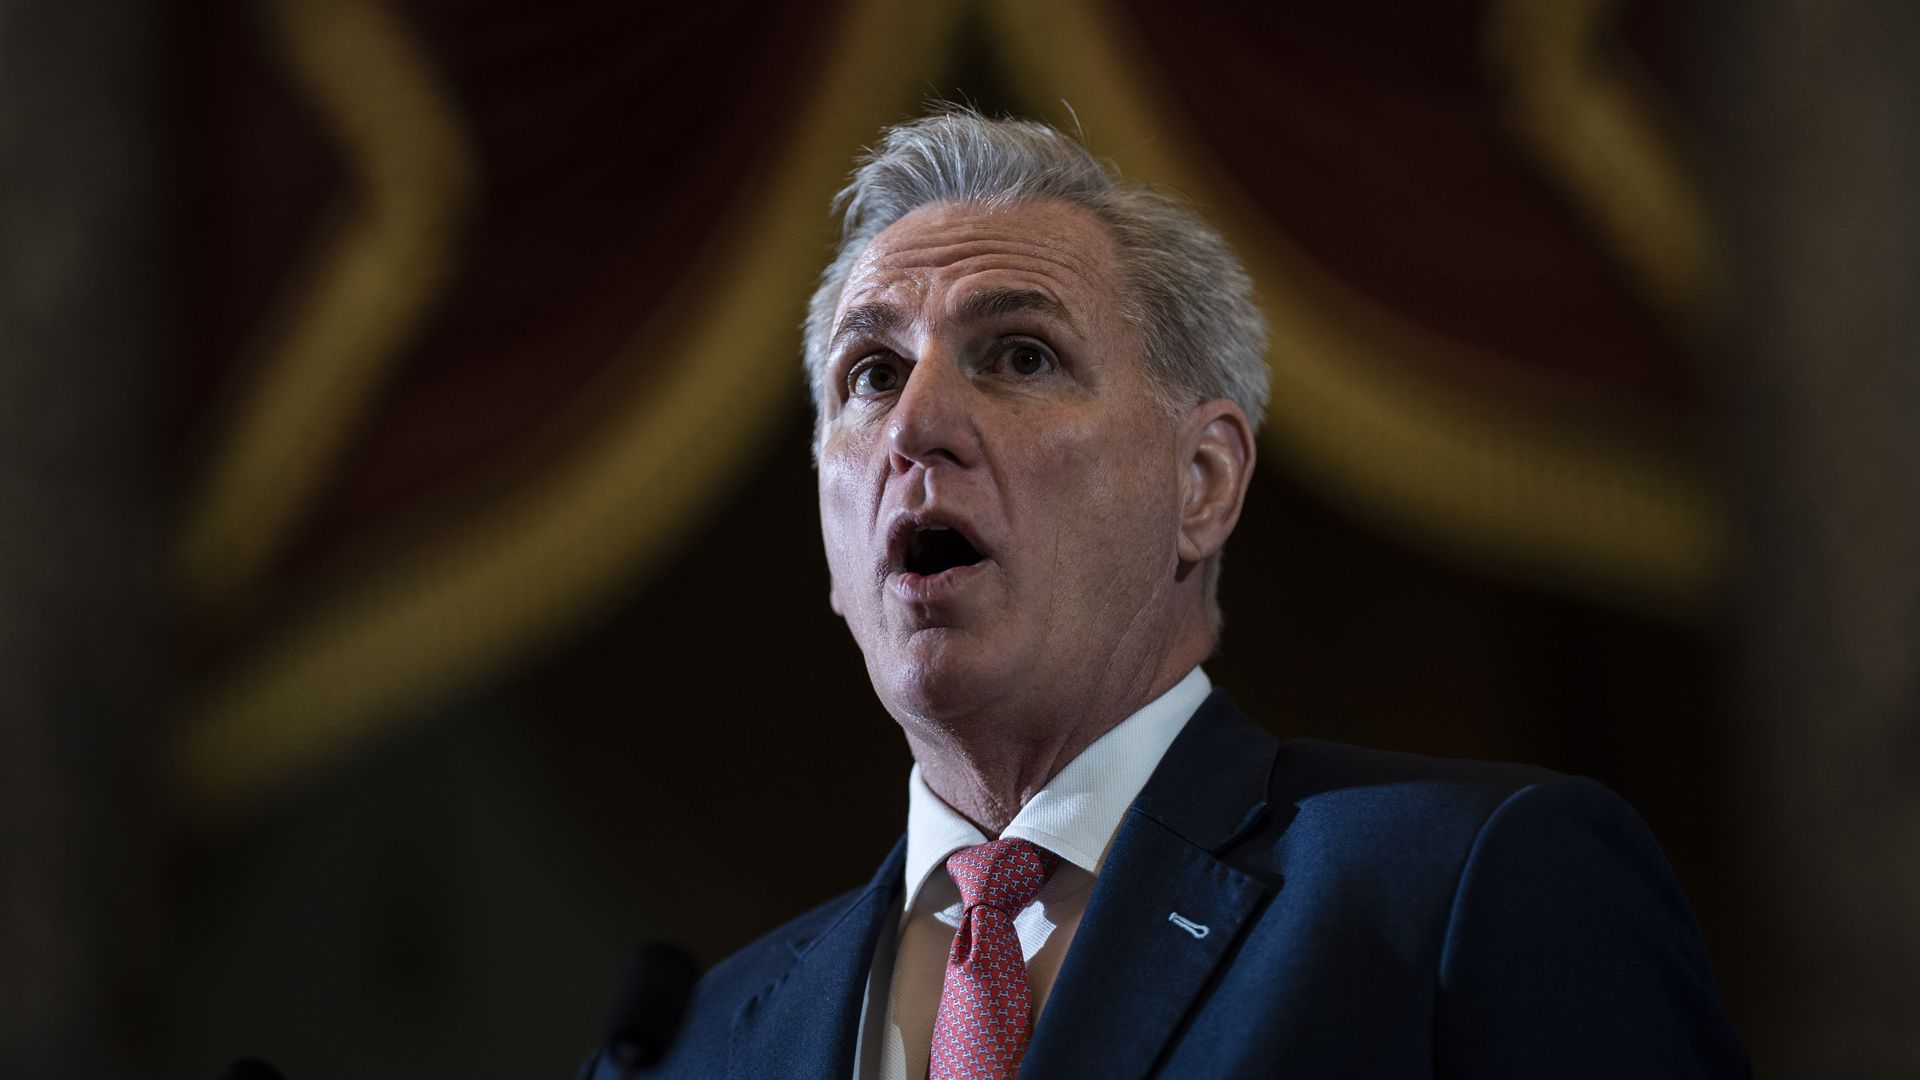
[
  {"x": 1211, "y": 787},
  {"x": 1166, "y": 910},
  {"x": 804, "y": 1022}
]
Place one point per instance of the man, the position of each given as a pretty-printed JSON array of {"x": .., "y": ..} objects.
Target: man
[{"x": 1037, "y": 395}]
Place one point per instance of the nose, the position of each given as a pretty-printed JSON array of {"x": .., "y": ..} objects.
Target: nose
[{"x": 933, "y": 421}]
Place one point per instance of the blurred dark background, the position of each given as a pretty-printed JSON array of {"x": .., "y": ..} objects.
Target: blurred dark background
[{"x": 410, "y": 592}]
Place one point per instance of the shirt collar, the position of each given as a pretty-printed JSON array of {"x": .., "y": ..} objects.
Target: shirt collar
[{"x": 1077, "y": 813}]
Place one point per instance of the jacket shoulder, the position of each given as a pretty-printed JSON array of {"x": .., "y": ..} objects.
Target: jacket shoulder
[
  {"x": 1383, "y": 789},
  {"x": 1308, "y": 765},
  {"x": 1224, "y": 755},
  {"x": 770, "y": 953},
  {"x": 1527, "y": 915},
  {"x": 701, "y": 1046}
]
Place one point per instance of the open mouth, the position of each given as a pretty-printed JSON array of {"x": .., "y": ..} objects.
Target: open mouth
[{"x": 936, "y": 549}]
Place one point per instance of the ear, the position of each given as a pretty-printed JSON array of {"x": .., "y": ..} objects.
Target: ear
[{"x": 1217, "y": 453}]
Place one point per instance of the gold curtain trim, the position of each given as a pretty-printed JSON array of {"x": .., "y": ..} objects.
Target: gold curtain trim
[
  {"x": 1590, "y": 123},
  {"x": 387, "y": 252},
  {"x": 390, "y": 645},
  {"x": 1350, "y": 412}
]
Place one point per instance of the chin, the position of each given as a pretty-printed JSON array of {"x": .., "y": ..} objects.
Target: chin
[{"x": 937, "y": 674}]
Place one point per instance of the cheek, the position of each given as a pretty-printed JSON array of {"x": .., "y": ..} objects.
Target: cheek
[
  {"x": 1114, "y": 499},
  {"x": 845, "y": 525},
  {"x": 835, "y": 531}
]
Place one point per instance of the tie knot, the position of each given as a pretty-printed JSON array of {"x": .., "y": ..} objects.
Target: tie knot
[{"x": 1005, "y": 874}]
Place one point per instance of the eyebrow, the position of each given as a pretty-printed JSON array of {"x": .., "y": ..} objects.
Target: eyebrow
[
  {"x": 867, "y": 321},
  {"x": 882, "y": 320},
  {"x": 1000, "y": 302}
]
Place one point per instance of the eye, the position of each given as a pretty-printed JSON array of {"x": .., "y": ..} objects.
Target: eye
[
  {"x": 1027, "y": 358},
  {"x": 877, "y": 375}
]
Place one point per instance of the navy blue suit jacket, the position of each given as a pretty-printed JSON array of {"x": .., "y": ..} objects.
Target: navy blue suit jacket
[{"x": 1366, "y": 914}]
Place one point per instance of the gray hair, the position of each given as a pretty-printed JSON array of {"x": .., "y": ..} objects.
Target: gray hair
[{"x": 1188, "y": 296}]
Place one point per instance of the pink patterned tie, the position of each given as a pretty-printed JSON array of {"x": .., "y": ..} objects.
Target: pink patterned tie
[{"x": 986, "y": 1011}]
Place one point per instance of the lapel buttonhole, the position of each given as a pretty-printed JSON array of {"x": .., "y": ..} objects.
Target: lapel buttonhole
[{"x": 1198, "y": 931}]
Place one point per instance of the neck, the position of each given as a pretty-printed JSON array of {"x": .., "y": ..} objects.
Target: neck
[{"x": 988, "y": 764}]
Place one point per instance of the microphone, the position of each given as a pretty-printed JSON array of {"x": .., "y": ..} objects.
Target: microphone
[{"x": 648, "y": 1008}]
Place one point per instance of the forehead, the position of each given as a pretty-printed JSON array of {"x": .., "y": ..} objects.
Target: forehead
[{"x": 945, "y": 250}]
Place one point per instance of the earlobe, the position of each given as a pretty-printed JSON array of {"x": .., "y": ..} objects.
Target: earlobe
[{"x": 1219, "y": 462}]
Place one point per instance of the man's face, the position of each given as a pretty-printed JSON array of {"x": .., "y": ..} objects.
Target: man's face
[{"x": 1000, "y": 492}]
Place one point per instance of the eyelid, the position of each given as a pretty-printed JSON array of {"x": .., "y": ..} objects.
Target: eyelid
[
  {"x": 1025, "y": 341},
  {"x": 850, "y": 356},
  {"x": 1012, "y": 340}
]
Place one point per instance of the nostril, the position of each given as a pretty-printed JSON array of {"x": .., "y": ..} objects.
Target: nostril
[{"x": 903, "y": 460}]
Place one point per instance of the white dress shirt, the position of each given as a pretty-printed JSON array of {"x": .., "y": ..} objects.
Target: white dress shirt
[{"x": 1074, "y": 816}]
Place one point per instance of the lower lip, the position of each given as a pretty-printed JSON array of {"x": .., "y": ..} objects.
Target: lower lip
[{"x": 931, "y": 588}]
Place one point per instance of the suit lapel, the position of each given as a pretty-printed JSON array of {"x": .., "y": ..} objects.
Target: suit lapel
[
  {"x": 804, "y": 1023},
  {"x": 1165, "y": 910}
]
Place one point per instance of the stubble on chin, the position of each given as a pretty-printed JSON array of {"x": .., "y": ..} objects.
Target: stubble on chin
[{"x": 931, "y": 680}]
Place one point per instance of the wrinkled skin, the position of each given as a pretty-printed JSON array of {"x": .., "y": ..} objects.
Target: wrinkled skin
[{"x": 982, "y": 376}]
